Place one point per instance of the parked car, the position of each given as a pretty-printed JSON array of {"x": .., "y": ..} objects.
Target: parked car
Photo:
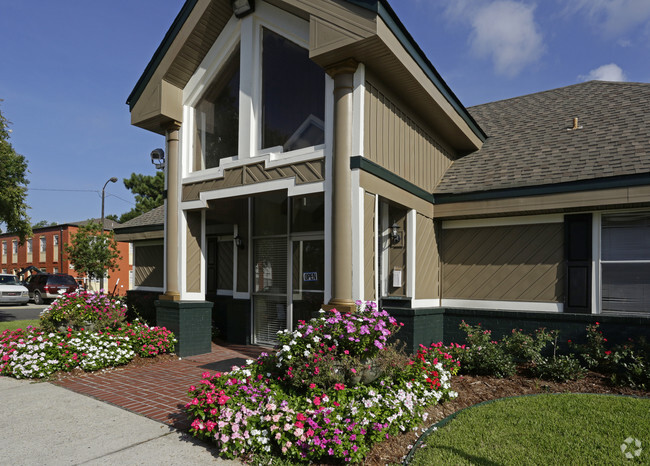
[
  {"x": 44, "y": 287},
  {"x": 11, "y": 291}
]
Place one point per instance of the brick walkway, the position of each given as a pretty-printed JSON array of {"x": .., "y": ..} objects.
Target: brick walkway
[{"x": 159, "y": 391}]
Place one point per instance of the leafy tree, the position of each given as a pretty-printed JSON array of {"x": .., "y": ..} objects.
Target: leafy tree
[
  {"x": 13, "y": 186},
  {"x": 148, "y": 191},
  {"x": 43, "y": 224},
  {"x": 92, "y": 251}
]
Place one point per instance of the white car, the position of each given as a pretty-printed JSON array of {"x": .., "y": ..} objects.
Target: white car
[{"x": 11, "y": 291}]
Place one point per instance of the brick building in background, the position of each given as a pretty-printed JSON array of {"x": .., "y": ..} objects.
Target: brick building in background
[{"x": 45, "y": 251}]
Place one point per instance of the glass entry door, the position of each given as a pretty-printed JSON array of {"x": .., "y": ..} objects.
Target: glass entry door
[
  {"x": 308, "y": 278},
  {"x": 269, "y": 289}
]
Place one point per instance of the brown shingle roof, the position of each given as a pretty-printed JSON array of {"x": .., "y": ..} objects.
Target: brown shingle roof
[
  {"x": 529, "y": 145},
  {"x": 153, "y": 217}
]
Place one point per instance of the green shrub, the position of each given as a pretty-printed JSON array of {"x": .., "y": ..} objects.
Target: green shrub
[
  {"x": 630, "y": 367},
  {"x": 83, "y": 309},
  {"x": 593, "y": 352},
  {"x": 527, "y": 348},
  {"x": 559, "y": 368},
  {"x": 482, "y": 355}
]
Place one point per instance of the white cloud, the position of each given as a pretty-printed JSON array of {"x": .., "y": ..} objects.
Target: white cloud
[
  {"x": 610, "y": 72},
  {"x": 614, "y": 17},
  {"x": 503, "y": 30}
]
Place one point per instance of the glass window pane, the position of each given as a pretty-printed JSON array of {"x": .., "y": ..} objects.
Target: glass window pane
[
  {"x": 270, "y": 214},
  {"x": 217, "y": 118},
  {"x": 626, "y": 287},
  {"x": 626, "y": 237},
  {"x": 293, "y": 95},
  {"x": 307, "y": 213}
]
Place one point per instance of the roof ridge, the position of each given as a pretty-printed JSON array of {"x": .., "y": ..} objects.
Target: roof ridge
[{"x": 556, "y": 89}]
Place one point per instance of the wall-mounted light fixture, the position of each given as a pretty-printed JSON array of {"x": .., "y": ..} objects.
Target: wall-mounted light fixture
[
  {"x": 242, "y": 8},
  {"x": 238, "y": 242},
  {"x": 158, "y": 158},
  {"x": 395, "y": 237}
]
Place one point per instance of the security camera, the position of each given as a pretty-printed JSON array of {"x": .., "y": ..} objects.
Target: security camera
[{"x": 158, "y": 158}]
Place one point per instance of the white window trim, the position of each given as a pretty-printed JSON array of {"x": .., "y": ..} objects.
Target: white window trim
[
  {"x": 596, "y": 271},
  {"x": 245, "y": 34},
  {"x": 503, "y": 305},
  {"x": 502, "y": 221},
  {"x": 411, "y": 230}
]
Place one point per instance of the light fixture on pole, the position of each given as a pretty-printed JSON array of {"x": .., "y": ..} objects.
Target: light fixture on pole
[
  {"x": 110, "y": 180},
  {"x": 158, "y": 158},
  {"x": 238, "y": 242},
  {"x": 242, "y": 8}
]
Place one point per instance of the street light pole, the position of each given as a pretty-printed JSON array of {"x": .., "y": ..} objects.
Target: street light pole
[{"x": 111, "y": 180}]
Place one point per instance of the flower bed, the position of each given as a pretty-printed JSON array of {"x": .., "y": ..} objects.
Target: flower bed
[
  {"x": 83, "y": 309},
  {"x": 35, "y": 353},
  {"x": 301, "y": 403}
]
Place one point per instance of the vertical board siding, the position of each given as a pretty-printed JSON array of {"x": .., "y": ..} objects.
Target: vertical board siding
[
  {"x": 369, "y": 241},
  {"x": 509, "y": 263},
  {"x": 149, "y": 265},
  {"x": 396, "y": 142},
  {"x": 193, "y": 256},
  {"x": 427, "y": 260}
]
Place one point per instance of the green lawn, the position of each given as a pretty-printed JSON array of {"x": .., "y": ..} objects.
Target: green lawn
[
  {"x": 544, "y": 429},
  {"x": 16, "y": 324}
]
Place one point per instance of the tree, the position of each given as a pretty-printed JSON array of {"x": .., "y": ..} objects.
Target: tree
[
  {"x": 13, "y": 186},
  {"x": 92, "y": 250},
  {"x": 148, "y": 191},
  {"x": 43, "y": 224}
]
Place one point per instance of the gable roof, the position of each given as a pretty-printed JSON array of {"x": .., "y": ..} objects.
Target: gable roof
[
  {"x": 216, "y": 9},
  {"x": 155, "y": 216},
  {"x": 529, "y": 144}
]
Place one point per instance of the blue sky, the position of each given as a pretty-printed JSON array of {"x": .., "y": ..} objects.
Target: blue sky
[{"x": 67, "y": 68}]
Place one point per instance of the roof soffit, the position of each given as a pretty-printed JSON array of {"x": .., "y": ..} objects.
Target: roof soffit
[{"x": 339, "y": 29}]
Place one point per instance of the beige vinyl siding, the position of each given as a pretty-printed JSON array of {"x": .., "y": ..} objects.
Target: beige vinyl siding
[
  {"x": 504, "y": 263},
  {"x": 398, "y": 143},
  {"x": 193, "y": 245},
  {"x": 369, "y": 241},
  {"x": 427, "y": 260},
  {"x": 148, "y": 265}
]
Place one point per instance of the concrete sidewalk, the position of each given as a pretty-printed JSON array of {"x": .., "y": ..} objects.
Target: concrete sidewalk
[{"x": 46, "y": 424}]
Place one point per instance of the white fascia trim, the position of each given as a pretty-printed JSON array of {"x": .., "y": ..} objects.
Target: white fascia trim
[
  {"x": 271, "y": 160},
  {"x": 279, "y": 21},
  {"x": 502, "y": 305},
  {"x": 596, "y": 288},
  {"x": 357, "y": 235},
  {"x": 214, "y": 60},
  {"x": 503, "y": 221},
  {"x": 247, "y": 190},
  {"x": 424, "y": 303},
  {"x": 240, "y": 295},
  {"x": 358, "y": 110},
  {"x": 411, "y": 230}
]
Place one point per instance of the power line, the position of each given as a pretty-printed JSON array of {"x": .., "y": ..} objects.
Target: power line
[{"x": 71, "y": 190}]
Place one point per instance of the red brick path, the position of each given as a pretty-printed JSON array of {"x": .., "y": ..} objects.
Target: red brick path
[{"x": 159, "y": 391}]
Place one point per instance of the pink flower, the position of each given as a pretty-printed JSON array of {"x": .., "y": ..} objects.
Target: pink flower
[
  {"x": 339, "y": 386},
  {"x": 317, "y": 400}
]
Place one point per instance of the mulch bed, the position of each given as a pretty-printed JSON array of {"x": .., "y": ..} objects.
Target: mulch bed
[{"x": 473, "y": 390}]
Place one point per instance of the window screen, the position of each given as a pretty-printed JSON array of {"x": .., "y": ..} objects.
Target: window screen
[{"x": 625, "y": 263}]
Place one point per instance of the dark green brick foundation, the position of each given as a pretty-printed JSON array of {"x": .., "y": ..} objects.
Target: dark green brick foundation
[
  {"x": 191, "y": 322},
  {"x": 431, "y": 325}
]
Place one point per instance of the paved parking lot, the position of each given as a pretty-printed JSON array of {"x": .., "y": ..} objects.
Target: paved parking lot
[{"x": 9, "y": 312}]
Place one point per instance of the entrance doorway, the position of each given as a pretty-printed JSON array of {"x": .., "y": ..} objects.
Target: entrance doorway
[{"x": 288, "y": 262}]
